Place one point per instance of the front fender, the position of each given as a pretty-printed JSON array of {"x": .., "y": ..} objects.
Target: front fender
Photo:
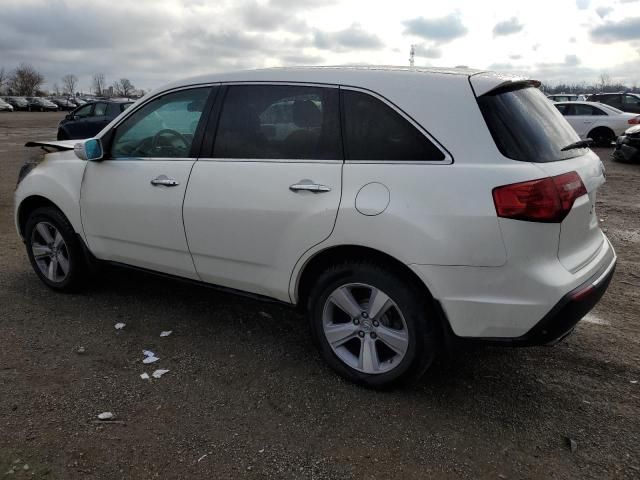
[{"x": 58, "y": 179}]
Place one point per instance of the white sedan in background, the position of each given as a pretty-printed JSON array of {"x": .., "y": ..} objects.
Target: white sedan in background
[{"x": 603, "y": 123}]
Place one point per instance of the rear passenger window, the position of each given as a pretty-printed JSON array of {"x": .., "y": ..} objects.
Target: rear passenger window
[
  {"x": 374, "y": 131},
  {"x": 279, "y": 122},
  {"x": 100, "y": 110}
]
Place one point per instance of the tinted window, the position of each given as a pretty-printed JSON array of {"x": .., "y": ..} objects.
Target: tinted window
[
  {"x": 84, "y": 111},
  {"x": 100, "y": 110},
  {"x": 374, "y": 131},
  {"x": 584, "y": 110},
  {"x": 163, "y": 128},
  {"x": 279, "y": 122},
  {"x": 526, "y": 126},
  {"x": 562, "y": 108},
  {"x": 630, "y": 100},
  {"x": 609, "y": 99}
]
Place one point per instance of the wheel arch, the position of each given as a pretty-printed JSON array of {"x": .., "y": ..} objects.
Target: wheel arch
[
  {"x": 601, "y": 128},
  {"x": 337, "y": 254},
  {"x": 31, "y": 203}
]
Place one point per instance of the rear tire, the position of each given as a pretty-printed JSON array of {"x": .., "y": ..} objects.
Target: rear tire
[
  {"x": 54, "y": 250},
  {"x": 389, "y": 336},
  {"x": 602, "y": 136}
]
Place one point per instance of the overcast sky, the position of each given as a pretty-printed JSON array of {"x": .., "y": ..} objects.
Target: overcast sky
[{"x": 152, "y": 42}]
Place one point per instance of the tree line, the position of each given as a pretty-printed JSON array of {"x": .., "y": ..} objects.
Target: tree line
[
  {"x": 603, "y": 84},
  {"x": 26, "y": 81}
]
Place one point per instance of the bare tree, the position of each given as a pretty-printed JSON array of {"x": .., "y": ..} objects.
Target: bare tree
[
  {"x": 604, "y": 81},
  {"x": 98, "y": 83},
  {"x": 3, "y": 79},
  {"x": 25, "y": 80},
  {"x": 69, "y": 82},
  {"x": 56, "y": 89},
  {"x": 123, "y": 87}
]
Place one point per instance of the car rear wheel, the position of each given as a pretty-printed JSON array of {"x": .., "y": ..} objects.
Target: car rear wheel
[
  {"x": 373, "y": 326},
  {"x": 54, "y": 250},
  {"x": 602, "y": 137}
]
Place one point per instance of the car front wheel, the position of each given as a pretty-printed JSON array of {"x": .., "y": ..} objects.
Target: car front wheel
[
  {"x": 373, "y": 325},
  {"x": 54, "y": 250}
]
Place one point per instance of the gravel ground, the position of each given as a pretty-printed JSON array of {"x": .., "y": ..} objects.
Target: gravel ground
[{"x": 248, "y": 396}]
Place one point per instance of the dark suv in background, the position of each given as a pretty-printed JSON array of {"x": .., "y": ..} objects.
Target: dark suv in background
[
  {"x": 627, "y": 102},
  {"x": 87, "y": 120}
]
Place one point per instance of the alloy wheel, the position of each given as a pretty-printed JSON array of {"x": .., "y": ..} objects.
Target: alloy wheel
[
  {"x": 365, "y": 328},
  {"x": 50, "y": 252}
]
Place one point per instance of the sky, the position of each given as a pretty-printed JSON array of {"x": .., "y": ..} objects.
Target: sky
[{"x": 152, "y": 42}]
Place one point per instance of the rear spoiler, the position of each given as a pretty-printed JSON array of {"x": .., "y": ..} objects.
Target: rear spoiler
[
  {"x": 53, "y": 146},
  {"x": 484, "y": 83}
]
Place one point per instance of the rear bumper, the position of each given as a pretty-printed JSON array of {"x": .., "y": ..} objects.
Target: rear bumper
[{"x": 563, "y": 317}]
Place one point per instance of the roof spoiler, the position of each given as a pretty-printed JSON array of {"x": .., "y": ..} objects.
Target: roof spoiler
[{"x": 484, "y": 83}]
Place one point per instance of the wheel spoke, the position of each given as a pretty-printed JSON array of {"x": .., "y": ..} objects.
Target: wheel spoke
[
  {"x": 43, "y": 230},
  {"x": 343, "y": 299},
  {"x": 64, "y": 263},
  {"x": 396, "y": 340},
  {"x": 40, "y": 250},
  {"x": 52, "y": 270},
  {"x": 368, "y": 360},
  {"x": 379, "y": 302},
  {"x": 57, "y": 240},
  {"x": 340, "y": 333}
]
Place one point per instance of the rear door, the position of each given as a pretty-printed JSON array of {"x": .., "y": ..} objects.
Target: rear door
[
  {"x": 269, "y": 189},
  {"x": 630, "y": 103}
]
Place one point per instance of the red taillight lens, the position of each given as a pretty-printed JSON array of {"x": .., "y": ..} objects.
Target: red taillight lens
[
  {"x": 634, "y": 120},
  {"x": 545, "y": 200}
]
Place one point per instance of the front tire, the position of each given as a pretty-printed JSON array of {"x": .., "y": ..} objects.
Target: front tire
[
  {"x": 54, "y": 250},
  {"x": 602, "y": 137},
  {"x": 373, "y": 326}
]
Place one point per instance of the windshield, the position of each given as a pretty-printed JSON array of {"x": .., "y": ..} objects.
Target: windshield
[{"x": 526, "y": 126}]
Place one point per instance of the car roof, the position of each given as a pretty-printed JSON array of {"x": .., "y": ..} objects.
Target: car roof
[
  {"x": 602, "y": 106},
  {"x": 354, "y": 75}
]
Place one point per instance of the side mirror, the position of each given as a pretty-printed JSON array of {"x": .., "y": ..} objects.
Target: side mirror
[
  {"x": 89, "y": 150},
  {"x": 68, "y": 116}
]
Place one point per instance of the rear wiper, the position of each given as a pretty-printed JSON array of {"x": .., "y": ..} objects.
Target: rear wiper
[{"x": 579, "y": 144}]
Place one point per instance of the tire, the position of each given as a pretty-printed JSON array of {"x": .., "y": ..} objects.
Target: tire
[
  {"x": 602, "y": 136},
  {"x": 65, "y": 251},
  {"x": 409, "y": 322}
]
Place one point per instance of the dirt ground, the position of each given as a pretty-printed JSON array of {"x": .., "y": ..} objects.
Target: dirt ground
[{"x": 248, "y": 396}]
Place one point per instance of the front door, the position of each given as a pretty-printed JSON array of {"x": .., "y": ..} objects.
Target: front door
[
  {"x": 270, "y": 189},
  {"x": 131, "y": 202}
]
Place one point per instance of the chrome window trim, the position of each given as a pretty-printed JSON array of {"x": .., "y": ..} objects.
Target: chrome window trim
[{"x": 269, "y": 160}]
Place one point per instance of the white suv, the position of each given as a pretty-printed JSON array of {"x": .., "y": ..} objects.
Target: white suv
[{"x": 399, "y": 207}]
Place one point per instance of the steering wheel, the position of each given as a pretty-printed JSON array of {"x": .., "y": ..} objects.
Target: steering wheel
[{"x": 156, "y": 138}]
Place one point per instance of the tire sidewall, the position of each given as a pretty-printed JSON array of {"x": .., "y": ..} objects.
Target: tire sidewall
[
  {"x": 422, "y": 341},
  {"x": 55, "y": 218}
]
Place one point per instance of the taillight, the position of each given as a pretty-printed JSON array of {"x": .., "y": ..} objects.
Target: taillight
[
  {"x": 634, "y": 120},
  {"x": 546, "y": 200}
]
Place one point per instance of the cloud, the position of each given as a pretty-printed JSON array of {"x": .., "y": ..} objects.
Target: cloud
[
  {"x": 572, "y": 60},
  {"x": 627, "y": 29},
  {"x": 507, "y": 27},
  {"x": 604, "y": 11},
  {"x": 427, "y": 52},
  {"x": 442, "y": 29},
  {"x": 582, "y": 4},
  {"x": 515, "y": 57},
  {"x": 352, "y": 38}
]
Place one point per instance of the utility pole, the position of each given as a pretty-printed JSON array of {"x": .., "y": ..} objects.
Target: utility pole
[{"x": 412, "y": 54}]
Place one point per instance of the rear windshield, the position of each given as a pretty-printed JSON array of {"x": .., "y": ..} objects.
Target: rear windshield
[{"x": 526, "y": 126}]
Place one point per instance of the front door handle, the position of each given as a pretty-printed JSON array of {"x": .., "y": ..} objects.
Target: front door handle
[
  {"x": 309, "y": 186},
  {"x": 164, "y": 181}
]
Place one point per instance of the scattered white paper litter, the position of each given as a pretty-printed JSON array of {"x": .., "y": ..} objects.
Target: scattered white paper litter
[
  {"x": 105, "y": 416},
  {"x": 148, "y": 360},
  {"x": 166, "y": 333},
  {"x": 159, "y": 373},
  {"x": 144, "y": 376},
  {"x": 634, "y": 381},
  {"x": 148, "y": 353},
  {"x": 120, "y": 326},
  {"x": 202, "y": 457}
]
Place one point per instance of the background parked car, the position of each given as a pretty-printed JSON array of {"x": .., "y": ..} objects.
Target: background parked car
[
  {"x": 40, "y": 104},
  {"x": 63, "y": 103},
  {"x": 603, "y": 123},
  {"x": 628, "y": 146},
  {"x": 627, "y": 102},
  {"x": 18, "y": 103},
  {"x": 566, "y": 97},
  {"x": 87, "y": 120},
  {"x": 5, "y": 107}
]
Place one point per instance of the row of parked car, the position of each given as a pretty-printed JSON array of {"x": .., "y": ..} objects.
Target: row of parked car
[{"x": 41, "y": 104}]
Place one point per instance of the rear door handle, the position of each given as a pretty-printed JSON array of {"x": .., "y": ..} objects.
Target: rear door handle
[
  {"x": 309, "y": 186},
  {"x": 164, "y": 181}
]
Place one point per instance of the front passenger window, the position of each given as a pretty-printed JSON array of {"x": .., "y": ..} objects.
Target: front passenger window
[{"x": 163, "y": 128}]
